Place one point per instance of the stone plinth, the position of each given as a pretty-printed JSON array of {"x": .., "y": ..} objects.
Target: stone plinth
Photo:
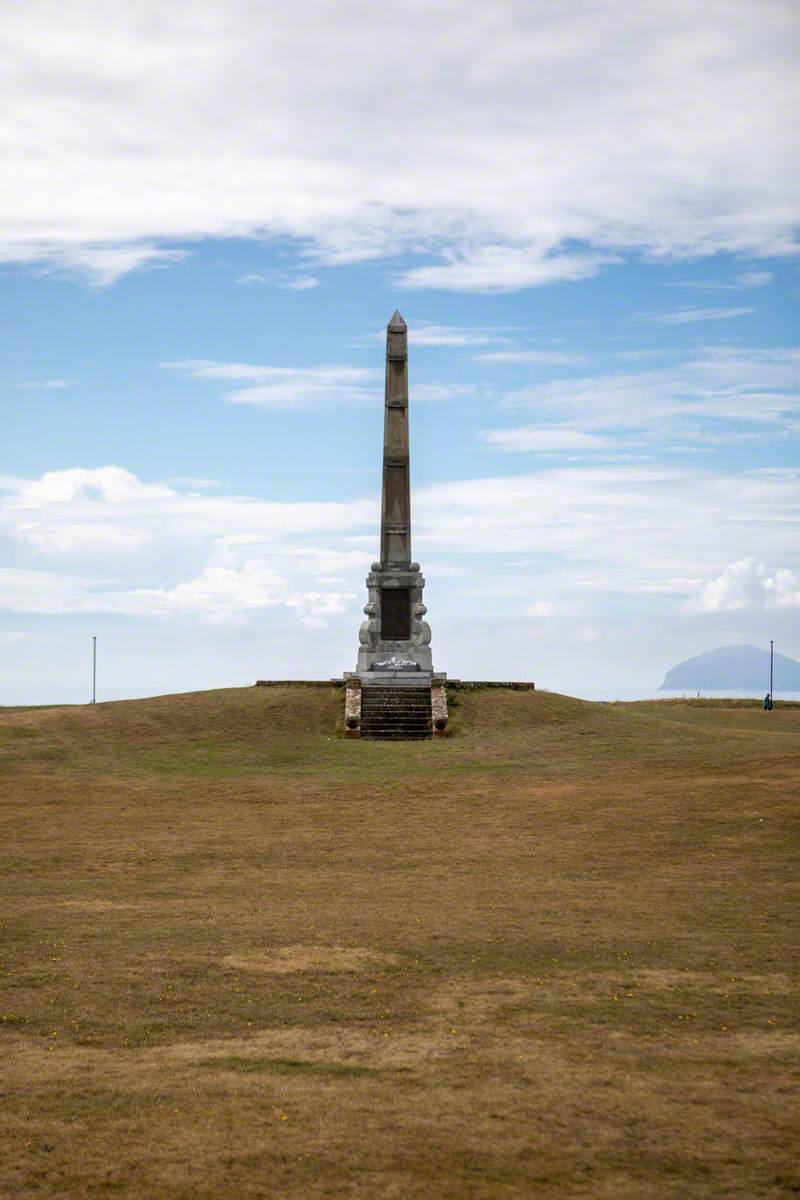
[{"x": 395, "y": 594}]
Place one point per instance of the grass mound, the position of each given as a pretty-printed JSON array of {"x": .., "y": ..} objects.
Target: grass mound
[{"x": 550, "y": 955}]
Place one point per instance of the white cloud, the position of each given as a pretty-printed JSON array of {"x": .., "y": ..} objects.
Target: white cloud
[
  {"x": 304, "y": 388},
  {"x": 531, "y": 437},
  {"x": 202, "y": 368},
  {"x": 587, "y": 635},
  {"x": 744, "y": 281},
  {"x": 217, "y": 594},
  {"x": 253, "y": 586},
  {"x": 754, "y": 279},
  {"x": 570, "y": 536},
  {"x": 64, "y": 512},
  {"x": 613, "y": 529},
  {"x": 223, "y": 592},
  {"x": 452, "y": 335},
  {"x": 287, "y": 387},
  {"x": 302, "y": 283},
  {"x": 67, "y": 538},
  {"x": 714, "y": 395},
  {"x": 686, "y": 316},
  {"x": 315, "y": 609},
  {"x": 546, "y": 358},
  {"x": 131, "y": 127},
  {"x": 30, "y": 590},
  {"x": 423, "y": 334},
  {"x": 541, "y": 608},
  {"x": 502, "y": 268},
  {"x": 747, "y": 584},
  {"x": 99, "y": 265},
  {"x": 193, "y": 481},
  {"x": 47, "y": 385},
  {"x": 15, "y": 637},
  {"x": 440, "y": 393},
  {"x": 281, "y": 279},
  {"x": 208, "y": 543},
  {"x": 81, "y": 483}
]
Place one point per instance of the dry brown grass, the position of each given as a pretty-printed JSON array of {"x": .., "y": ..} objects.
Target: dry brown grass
[{"x": 550, "y": 956}]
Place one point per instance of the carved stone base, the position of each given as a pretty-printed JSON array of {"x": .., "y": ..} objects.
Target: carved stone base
[{"x": 397, "y": 629}]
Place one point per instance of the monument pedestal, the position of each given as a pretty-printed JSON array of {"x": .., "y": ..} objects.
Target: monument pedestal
[{"x": 394, "y": 628}]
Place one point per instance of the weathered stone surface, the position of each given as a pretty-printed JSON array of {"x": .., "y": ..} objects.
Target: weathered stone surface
[
  {"x": 396, "y": 664},
  {"x": 352, "y": 706},
  {"x": 395, "y": 626},
  {"x": 396, "y": 713},
  {"x": 439, "y": 708},
  {"x": 396, "y": 697}
]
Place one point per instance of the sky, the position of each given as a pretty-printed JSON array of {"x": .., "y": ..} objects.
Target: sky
[{"x": 587, "y": 214}]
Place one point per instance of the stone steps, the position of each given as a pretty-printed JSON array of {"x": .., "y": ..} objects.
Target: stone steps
[{"x": 396, "y": 713}]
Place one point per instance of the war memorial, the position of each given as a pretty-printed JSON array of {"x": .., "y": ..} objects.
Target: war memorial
[{"x": 394, "y": 691}]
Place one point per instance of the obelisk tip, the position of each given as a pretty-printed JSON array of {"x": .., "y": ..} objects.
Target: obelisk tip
[{"x": 397, "y": 322}]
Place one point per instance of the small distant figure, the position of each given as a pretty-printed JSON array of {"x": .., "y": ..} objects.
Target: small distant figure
[{"x": 768, "y": 702}]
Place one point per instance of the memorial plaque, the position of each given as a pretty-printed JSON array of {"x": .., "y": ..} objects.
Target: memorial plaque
[{"x": 395, "y": 614}]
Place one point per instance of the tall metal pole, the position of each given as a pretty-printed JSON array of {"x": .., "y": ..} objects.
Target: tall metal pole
[
  {"x": 770, "y": 669},
  {"x": 94, "y": 670}
]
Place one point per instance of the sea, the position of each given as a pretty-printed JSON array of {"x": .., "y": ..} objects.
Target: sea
[{"x": 683, "y": 694}]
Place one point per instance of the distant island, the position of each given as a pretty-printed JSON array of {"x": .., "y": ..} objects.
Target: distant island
[{"x": 734, "y": 668}]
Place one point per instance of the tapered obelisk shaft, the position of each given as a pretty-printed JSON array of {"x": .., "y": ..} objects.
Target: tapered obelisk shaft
[{"x": 396, "y": 498}]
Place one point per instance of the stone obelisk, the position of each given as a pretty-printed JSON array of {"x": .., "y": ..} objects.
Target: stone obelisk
[
  {"x": 396, "y": 491},
  {"x": 395, "y": 639}
]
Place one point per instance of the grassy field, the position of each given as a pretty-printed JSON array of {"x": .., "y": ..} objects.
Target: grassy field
[{"x": 549, "y": 956}]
